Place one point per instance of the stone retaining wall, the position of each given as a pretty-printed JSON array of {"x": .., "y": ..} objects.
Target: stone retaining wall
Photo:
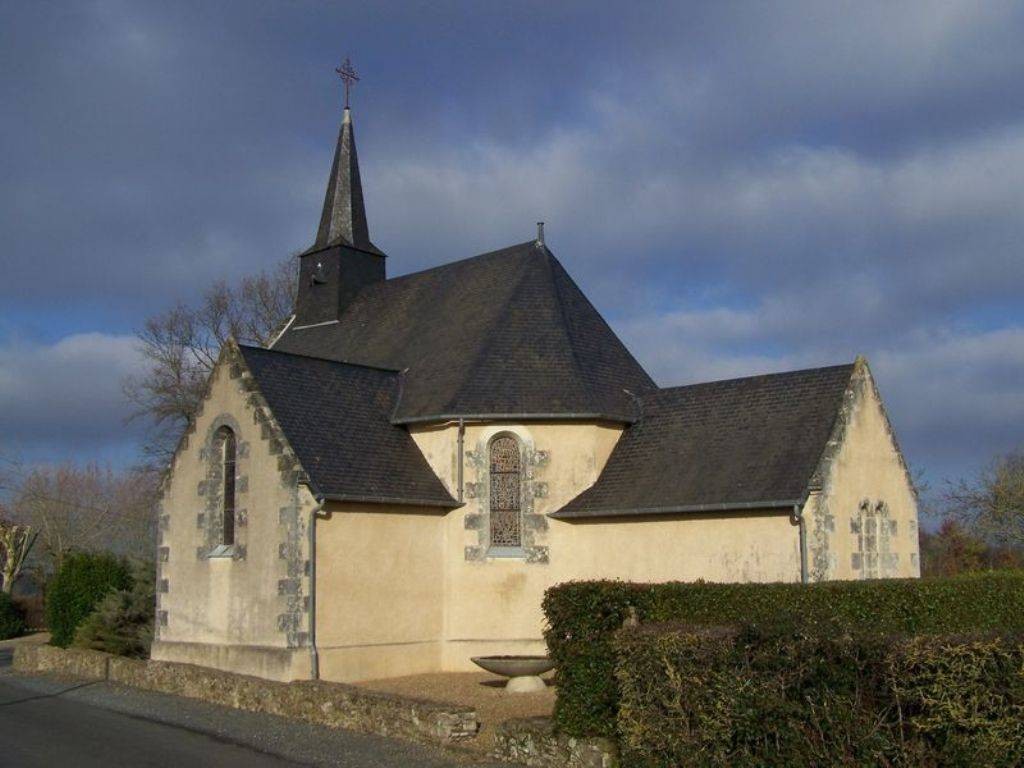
[
  {"x": 332, "y": 704},
  {"x": 533, "y": 742},
  {"x": 70, "y": 662}
]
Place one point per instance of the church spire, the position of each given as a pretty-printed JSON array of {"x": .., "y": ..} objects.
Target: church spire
[{"x": 343, "y": 221}]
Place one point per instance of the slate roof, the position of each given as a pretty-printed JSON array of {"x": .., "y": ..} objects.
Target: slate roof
[
  {"x": 506, "y": 333},
  {"x": 343, "y": 220},
  {"x": 743, "y": 443},
  {"x": 336, "y": 418}
]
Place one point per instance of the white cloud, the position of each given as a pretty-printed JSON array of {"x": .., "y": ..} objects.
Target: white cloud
[
  {"x": 963, "y": 381},
  {"x": 744, "y": 188},
  {"x": 68, "y": 391}
]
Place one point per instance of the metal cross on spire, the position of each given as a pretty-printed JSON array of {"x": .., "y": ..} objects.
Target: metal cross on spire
[{"x": 348, "y": 75}]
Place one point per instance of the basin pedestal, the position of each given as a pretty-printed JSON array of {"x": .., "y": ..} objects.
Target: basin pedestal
[{"x": 525, "y": 684}]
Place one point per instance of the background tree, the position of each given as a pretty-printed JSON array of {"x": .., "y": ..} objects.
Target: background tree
[
  {"x": 950, "y": 551},
  {"x": 15, "y": 545},
  {"x": 181, "y": 346},
  {"x": 88, "y": 509},
  {"x": 992, "y": 506}
]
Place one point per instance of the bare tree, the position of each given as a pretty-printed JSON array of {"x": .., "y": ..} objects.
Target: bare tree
[
  {"x": 181, "y": 346},
  {"x": 15, "y": 544},
  {"x": 87, "y": 508},
  {"x": 993, "y": 504}
]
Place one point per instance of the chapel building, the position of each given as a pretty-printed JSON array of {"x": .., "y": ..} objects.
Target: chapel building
[{"x": 389, "y": 487}]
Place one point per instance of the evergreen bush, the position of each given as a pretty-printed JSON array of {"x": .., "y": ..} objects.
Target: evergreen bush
[
  {"x": 82, "y": 582},
  {"x": 12, "y": 617},
  {"x": 582, "y": 618},
  {"x": 122, "y": 623}
]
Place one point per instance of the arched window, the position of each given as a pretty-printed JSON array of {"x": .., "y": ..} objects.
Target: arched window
[
  {"x": 506, "y": 519},
  {"x": 226, "y": 445}
]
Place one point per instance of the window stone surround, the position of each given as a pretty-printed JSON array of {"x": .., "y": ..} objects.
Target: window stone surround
[
  {"x": 477, "y": 493},
  {"x": 873, "y": 530},
  {"x": 211, "y": 490}
]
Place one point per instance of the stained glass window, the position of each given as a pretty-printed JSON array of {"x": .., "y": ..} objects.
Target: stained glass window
[
  {"x": 506, "y": 530},
  {"x": 226, "y": 441}
]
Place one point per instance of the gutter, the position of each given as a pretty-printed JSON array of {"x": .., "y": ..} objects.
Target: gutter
[
  {"x": 462, "y": 445},
  {"x": 314, "y": 655},
  {"x": 398, "y": 501},
  {"x": 460, "y": 452},
  {"x": 798, "y": 519},
  {"x": 673, "y": 510},
  {"x": 621, "y": 419}
]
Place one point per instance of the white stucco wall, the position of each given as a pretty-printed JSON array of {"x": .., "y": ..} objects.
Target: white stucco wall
[
  {"x": 863, "y": 522},
  {"x": 380, "y": 591},
  {"x": 494, "y": 603},
  {"x": 247, "y": 611},
  {"x": 403, "y": 590}
]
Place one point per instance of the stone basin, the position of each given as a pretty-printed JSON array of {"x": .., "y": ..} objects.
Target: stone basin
[{"x": 514, "y": 666}]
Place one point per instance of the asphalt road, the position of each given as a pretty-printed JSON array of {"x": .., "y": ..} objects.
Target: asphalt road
[{"x": 46, "y": 722}]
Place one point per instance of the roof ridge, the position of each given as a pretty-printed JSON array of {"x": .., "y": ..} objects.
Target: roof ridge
[
  {"x": 771, "y": 375},
  {"x": 597, "y": 313},
  {"x": 549, "y": 261},
  {"x": 463, "y": 260},
  {"x": 348, "y": 363}
]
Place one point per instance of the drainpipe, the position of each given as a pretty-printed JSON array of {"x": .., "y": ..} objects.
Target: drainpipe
[
  {"x": 798, "y": 519},
  {"x": 314, "y": 655},
  {"x": 462, "y": 441}
]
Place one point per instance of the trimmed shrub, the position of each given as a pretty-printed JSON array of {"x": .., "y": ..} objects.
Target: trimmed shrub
[
  {"x": 727, "y": 697},
  {"x": 82, "y": 582},
  {"x": 122, "y": 623},
  {"x": 964, "y": 697},
  {"x": 582, "y": 617},
  {"x": 12, "y": 617}
]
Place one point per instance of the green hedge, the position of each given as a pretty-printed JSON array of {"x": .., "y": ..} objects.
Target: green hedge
[
  {"x": 583, "y": 616},
  {"x": 12, "y": 617},
  {"x": 784, "y": 698},
  {"x": 83, "y": 580}
]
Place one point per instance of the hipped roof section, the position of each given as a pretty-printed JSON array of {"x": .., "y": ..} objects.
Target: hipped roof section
[
  {"x": 337, "y": 419},
  {"x": 745, "y": 443},
  {"x": 506, "y": 334}
]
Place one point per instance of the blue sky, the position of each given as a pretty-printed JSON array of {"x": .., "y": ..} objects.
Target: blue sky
[{"x": 739, "y": 187}]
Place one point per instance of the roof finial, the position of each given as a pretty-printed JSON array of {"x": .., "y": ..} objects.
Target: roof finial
[
  {"x": 348, "y": 75},
  {"x": 540, "y": 232},
  {"x": 343, "y": 220}
]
